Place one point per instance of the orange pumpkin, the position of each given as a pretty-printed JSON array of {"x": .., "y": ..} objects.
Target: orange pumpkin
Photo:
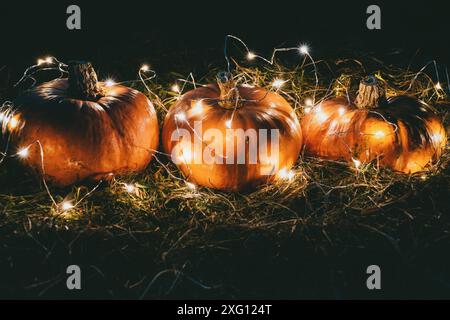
[
  {"x": 225, "y": 111},
  {"x": 87, "y": 130},
  {"x": 401, "y": 132}
]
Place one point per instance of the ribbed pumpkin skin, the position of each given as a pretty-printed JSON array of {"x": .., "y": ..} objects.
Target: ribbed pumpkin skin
[
  {"x": 403, "y": 134},
  {"x": 85, "y": 139},
  {"x": 267, "y": 110}
]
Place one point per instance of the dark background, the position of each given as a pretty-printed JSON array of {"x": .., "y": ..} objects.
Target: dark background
[{"x": 190, "y": 34}]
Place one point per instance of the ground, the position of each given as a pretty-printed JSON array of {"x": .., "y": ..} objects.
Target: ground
[{"x": 312, "y": 237}]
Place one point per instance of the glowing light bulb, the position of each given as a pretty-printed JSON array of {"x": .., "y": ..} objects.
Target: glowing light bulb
[
  {"x": 46, "y": 60},
  {"x": 341, "y": 111},
  {"x": 2, "y": 116},
  {"x": 278, "y": 83},
  {"x": 309, "y": 102},
  {"x": 13, "y": 123},
  {"x": 251, "y": 55},
  {"x": 285, "y": 174},
  {"x": 198, "y": 107},
  {"x": 303, "y": 49},
  {"x": 438, "y": 86},
  {"x": 145, "y": 68},
  {"x": 186, "y": 155},
  {"x": 24, "y": 152},
  {"x": 307, "y": 109},
  {"x": 175, "y": 88},
  {"x": 424, "y": 177},
  {"x": 436, "y": 138},
  {"x": 67, "y": 205},
  {"x": 129, "y": 188},
  {"x": 356, "y": 162},
  {"x": 191, "y": 186},
  {"x": 320, "y": 115},
  {"x": 228, "y": 124},
  {"x": 181, "y": 116},
  {"x": 379, "y": 134},
  {"x": 109, "y": 82}
]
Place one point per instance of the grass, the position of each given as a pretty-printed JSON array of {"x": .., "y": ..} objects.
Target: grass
[{"x": 312, "y": 237}]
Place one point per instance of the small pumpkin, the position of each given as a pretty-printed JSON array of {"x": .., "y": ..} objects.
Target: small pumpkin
[
  {"x": 87, "y": 129},
  {"x": 223, "y": 110},
  {"x": 401, "y": 132}
]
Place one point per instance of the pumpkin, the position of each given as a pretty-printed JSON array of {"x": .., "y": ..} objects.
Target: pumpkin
[
  {"x": 401, "y": 133},
  {"x": 213, "y": 119},
  {"x": 87, "y": 130}
]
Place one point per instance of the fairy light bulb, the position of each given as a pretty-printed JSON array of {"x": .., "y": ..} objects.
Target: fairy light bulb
[
  {"x": 145, "y": 68},
  {"x": 251, "y": 55},
  {"x": 180, "y": 116},
  {"x": 228, "y": 124},
  {"x": 191, "y": 186},
  {"x": 341, "y": 111},
  {"x": 176, "y": 88},
  {"x": 321, "y": 116},
  {"x": 309, "y": 102},
  {"x": 24, "y": 152},
  {"x": 198, "y": 107},
  {"x": 380, "y": 134},
  {"x": 436, "y": 138},
  {"x": 129, "y": 188},
  {"x": 303, "y": 49},
  {"x": 285, "y": 174},
  {"x": 186, "y": 155},
  {"x": 67, "y": 205},
  {"x": 109, "y": 82},
  {"x": 46, "y": 60},
  {"x": 278, "y": 83},
  {"x": 438, "y": 86},
  {"x": 356, "y": 162}
]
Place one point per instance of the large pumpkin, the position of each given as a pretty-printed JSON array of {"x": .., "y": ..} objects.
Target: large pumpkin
[
  {"x": 224, "y": 111},
  {"x": 401, "y": 132},
  {"x": 87, "y": 129}
]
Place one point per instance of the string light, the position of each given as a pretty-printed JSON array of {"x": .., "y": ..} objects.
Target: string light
[
  {"x": 46, "y": 60},
  {"x": 181, "y": 116},
  {"x": 191, "y": 186},
  {"x": 379, "y": 134},
  {"x": 341, "y": 111},
  {"x": 67, "y": 205},
  {"x": 438, "y": 86},
  {"x": 129, "y": 188},
  {"x": 321, "y": 116},
  {"x": 309, "y": 102},
  {"x": 356, "y": 162},
  {"x": 109, "y": 82},
  {"x": 198, "y": 107},
  {"x": 436, "y": 138},
  {"x": 304, "y": 49},
  {"x": 251, "y": 55},
  {"x": 186, "y": 155},
  {"x": 176, "y": 88},
  {"x": 285, "y": 174},
  {"x": 24, "y": 152},
  {"x": 145, "y": 68},
  {"x": 228, "y": 124},
  {"x": 278, "y": 83}
]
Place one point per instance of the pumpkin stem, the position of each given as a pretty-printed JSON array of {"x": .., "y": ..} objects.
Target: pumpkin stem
[
  {"x": 229, "y": 94},
  {"x": 83, "y": 83},
  {"x": 371, "y": 93}
]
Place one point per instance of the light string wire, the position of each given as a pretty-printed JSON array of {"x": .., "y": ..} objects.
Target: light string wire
[{"x": 145, "y": 74}]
